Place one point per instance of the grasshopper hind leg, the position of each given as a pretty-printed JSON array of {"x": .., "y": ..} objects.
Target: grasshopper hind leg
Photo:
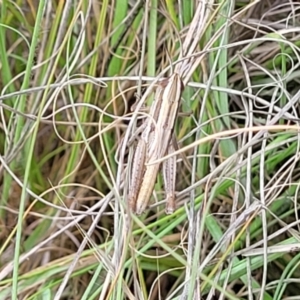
[{"x": 169, "y": 177}]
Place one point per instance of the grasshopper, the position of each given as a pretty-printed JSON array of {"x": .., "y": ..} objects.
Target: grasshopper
[{"x": 155, "y": 142}]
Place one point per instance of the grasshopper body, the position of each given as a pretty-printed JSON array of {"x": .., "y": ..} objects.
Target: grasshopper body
[{"x": 154, "y": 143}]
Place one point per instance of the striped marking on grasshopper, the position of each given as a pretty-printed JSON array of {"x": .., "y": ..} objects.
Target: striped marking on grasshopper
[{"x": 155, "y": 143}]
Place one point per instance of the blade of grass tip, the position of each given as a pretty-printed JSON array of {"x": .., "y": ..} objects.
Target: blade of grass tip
[
  {"x": 30, "y": 148},
  {"x": 172, "y": 12}
]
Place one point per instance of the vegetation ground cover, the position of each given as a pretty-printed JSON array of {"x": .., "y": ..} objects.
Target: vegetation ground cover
[{"x": 70, "y": 72}]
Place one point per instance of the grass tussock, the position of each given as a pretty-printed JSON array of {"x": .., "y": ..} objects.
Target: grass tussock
[{"x": 70, "y": 73}]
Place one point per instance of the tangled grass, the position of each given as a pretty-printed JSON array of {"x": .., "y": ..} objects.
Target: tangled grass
[{"x": 70, "y": 71}]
